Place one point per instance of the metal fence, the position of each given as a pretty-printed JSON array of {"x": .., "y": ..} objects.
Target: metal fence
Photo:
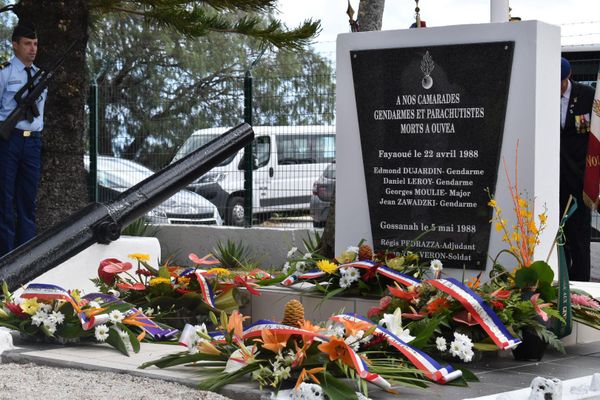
[{"x": 135, "y": 133}]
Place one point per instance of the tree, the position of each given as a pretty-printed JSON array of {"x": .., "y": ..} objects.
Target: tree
[
  {"x": 156, "y": 87},
  {"x": 63, "y": 184},
  {"x": 370, "y": 17}
]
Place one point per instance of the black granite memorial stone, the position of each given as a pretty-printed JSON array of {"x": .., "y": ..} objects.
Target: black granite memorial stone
[{"x": 431, "y": 121}]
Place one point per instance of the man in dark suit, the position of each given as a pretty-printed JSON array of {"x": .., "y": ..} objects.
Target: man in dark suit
[{"x": 576, "y": 107}]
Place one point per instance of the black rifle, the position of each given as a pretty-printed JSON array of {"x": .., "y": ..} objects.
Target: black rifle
[{"x": 26, "y": 107}]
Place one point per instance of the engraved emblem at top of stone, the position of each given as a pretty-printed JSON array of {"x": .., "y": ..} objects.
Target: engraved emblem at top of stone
[{"x": 427, "y": 65}]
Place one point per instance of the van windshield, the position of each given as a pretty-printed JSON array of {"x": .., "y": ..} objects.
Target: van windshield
[{"x": 195, "y": 142}]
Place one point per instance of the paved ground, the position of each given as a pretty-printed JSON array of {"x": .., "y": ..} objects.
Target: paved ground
[{"x": 496, "y": 375}]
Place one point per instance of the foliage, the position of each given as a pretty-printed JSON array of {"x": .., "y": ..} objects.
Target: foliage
[
  {"x": 233, "y": 255},
  {"x": 139, "y": 227}
]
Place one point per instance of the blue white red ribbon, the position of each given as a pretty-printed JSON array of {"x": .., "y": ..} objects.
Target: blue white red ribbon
[
  {"x": 431, "y": 368},
  {"x": 480, "y": 311},
  {"x": 399, "y": 277},
  {"x": 48, "y": 292}
]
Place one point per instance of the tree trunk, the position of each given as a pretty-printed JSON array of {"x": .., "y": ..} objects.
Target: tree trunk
[
  {"x": 63, "y": 187},
  {"x": 370, "y": 17}
]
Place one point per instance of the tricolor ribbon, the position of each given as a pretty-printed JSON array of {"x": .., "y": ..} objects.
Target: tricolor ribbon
[
  {"x": 381, "y": 270},
  {"x": 48, "y": 292},
  {"x": 480, "y": 311},
  {"x": 153, "y": 329},
  {"x": 431, "y": 368}
]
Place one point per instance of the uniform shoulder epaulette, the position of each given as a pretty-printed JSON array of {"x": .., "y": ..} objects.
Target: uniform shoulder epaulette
[{"x": 4, "y": 64}]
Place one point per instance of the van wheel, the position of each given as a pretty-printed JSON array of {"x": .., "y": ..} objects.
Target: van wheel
[{"x": 235, "y": 211}]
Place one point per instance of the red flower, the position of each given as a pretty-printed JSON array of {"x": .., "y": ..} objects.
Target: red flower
[
  {"x": 439, "y": 304},
  {"x": 145, "y": 272},
  {"x": 110, "y": 267},
  {"x": 465, "y": 317},
  {"x": 129, "y": 286},
  {"x": 409, "y": 295},
  {"x": 498, "y": 305},
  {"x": 384, "y": 302},
  {"x": 501, "y": 294},
  {"x": 414, "y": 315},
  {"x": 247, "y": 284},
  {"x": 371, "y": 273},
  {"x": 16, "y": 310}
]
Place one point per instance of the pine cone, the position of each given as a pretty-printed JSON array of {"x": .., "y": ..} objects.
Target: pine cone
[
  {"x": 365, "y": 252},
  {"x": 293, "y": 313}
]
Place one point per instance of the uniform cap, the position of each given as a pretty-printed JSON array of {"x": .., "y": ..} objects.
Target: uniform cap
[
  {"x": 565, "y": 69},
  {"x": 24, "y": 30}
]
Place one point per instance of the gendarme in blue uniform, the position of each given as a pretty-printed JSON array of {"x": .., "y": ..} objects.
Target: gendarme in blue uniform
[{"x": 20, "y": 161}]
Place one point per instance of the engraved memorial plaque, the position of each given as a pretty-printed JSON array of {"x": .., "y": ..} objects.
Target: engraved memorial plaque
[{"x": 431, "y": 121}]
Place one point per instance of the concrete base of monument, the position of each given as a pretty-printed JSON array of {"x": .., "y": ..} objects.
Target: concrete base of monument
[
  {"x": 76, "y": 272},
  {"x": 496, "y": 375},
  {"x": 270, "y": 304}
]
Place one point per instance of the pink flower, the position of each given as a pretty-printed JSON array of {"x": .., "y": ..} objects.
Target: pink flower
[
  {"x": 583, "y": 300},
  {"x": 538, "y": 307},
  {"x": 129, "y": 286},
  {"x": 206, "y": 260}
]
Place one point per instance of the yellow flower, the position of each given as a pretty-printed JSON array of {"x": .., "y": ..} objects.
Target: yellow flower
[
  {"x": 218, "y": 271},
  {"x": 158, "y": 281},
  {"x": 543, "y": 217},
  {"x": 327, "y": 266},
  {"x": 30, "y": 306},
  {"x": 500, "y": 225},
  {"x": 183, "y": 280},
  {"x": 492, "y": 203},
  {"x": 140, "y": 256}
]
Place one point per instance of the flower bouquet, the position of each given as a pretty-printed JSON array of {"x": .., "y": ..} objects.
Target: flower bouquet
[
  {"x": 49, "y": 313},
  {"x": 176, "y": 295},
  {"x": 280, "y": 355},
  {"x": 357, "y": 271}
]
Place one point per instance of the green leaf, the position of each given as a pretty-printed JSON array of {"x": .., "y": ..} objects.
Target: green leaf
[
  {"x": 423, "y": 330},
  {"x": 336, "y": 389},
  {"x": 163, "y": 272},
  {"x": 547, "y": 291},
  {"x": 135, "y": 343},
  {"x": 526, "y": 277},
  {"x": 485, "y": 346},
  {"x": 544, "y": 271},
  {"x": 70, "y": 330},
  {"x": 114, "y": 339}
]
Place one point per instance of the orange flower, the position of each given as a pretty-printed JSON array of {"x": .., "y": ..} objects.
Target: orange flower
[
  {"x": 336, "y": 348},
  {"x": 206, "y": 347},
  {"x": 273, "y": 341},
  {"x": 436, "y": 305},
  {"x": 310, "y": 374},
  {"x": 235, "y": 323},
  {"x": 90, "y": 312},
  {"x": 354, "y": 326},
  {"x": 475, "y": 282},
  {"x": 308, "y": 326}
]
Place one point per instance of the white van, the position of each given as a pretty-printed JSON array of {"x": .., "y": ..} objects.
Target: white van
[{"x": 288, "y": 159}]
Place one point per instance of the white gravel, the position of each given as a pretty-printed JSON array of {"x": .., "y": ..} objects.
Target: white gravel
[{"x": 30, "y": 381}]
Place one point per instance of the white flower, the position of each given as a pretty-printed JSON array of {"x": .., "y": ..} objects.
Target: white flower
[
  {"x": 344, "y": 282},
  {"x": 45, "y": 307},
  {"x": 350, "y": 272},
  {"x": 353, "y": 342},
  {"x": 335, "y": 329},
  {"x": 301, "y": 266},
  {"x": 101, "y": 333},
  {"x": 307, "y": 256},
  {"x": 463, "y": 340},
  {"x": 286, "y": 268},
  {"x": 441, "y": 344},
  {"x": 94, "y": 304},
  {"x": 307, "y": 391},
  {"x": 192, "y": 349},
  {"x": 114, "y": 293},
  {"x": 292, "y": 251},
  {"x": 149, "y": 312},
  {"x": 393, "y": 323},
  {"x": 116, "y": 316},
  {"x": 38, "y": 318},
  {"x": 50, "y": 327},
  {"x": 123, "y": 334},
  {"x": 466, "y": 355},
  {"x": 455, "y": 349},
  {"x": 282, "y": 373},
  {"x": 352, "y": 249},
  {"x": 201, "y": 331},
  {"x": 436, "y": 268},
  {"x": 58, "y": 317}
]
